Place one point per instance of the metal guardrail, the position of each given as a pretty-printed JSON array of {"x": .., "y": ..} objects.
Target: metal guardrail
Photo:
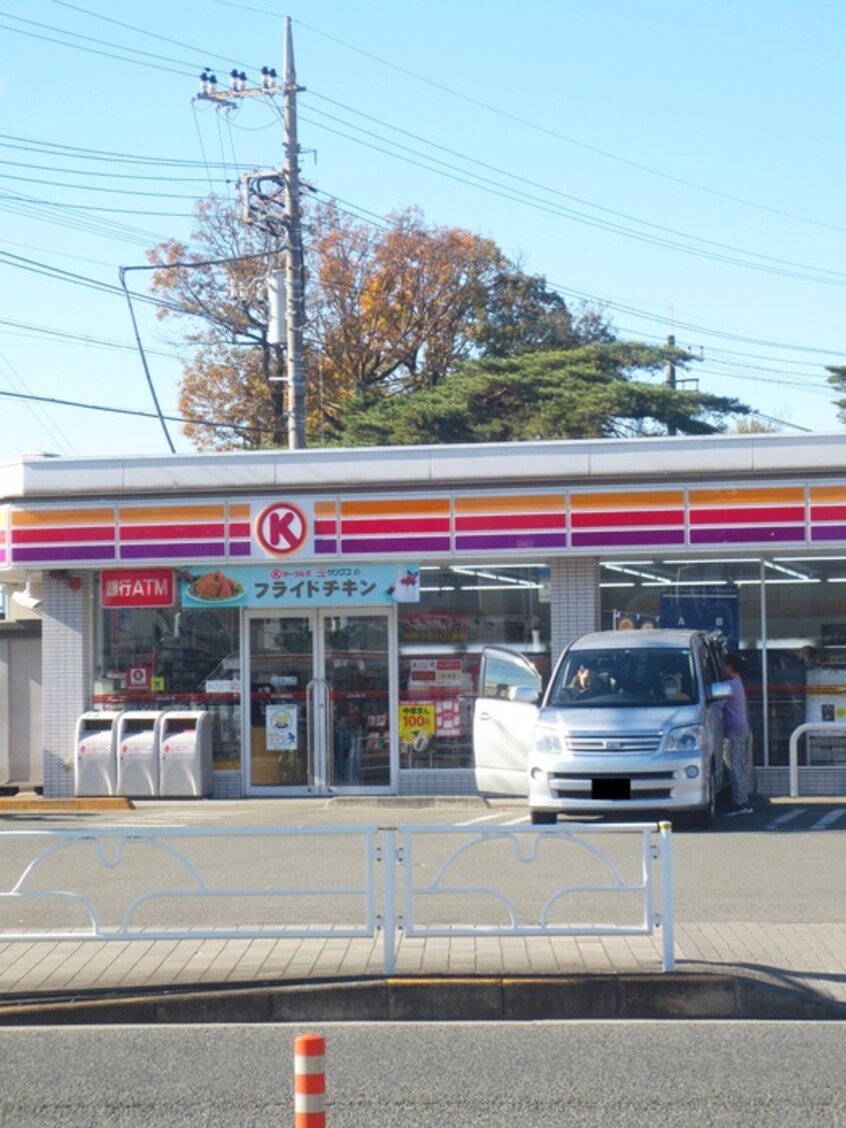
[
  {"x": 793, "y": 751},
  {"x": 390, "y": 907}
]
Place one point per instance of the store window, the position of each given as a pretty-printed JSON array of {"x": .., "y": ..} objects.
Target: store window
[
  {"x": 462, "y": 609},
  {"x": 166, "y": 658},
  {"x": 783, "y": 613}
]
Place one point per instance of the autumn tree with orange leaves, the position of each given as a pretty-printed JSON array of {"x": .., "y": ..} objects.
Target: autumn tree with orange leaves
[{"x": 389, "y": 310}]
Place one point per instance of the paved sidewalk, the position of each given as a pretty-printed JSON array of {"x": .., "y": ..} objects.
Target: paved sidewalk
[{"x": 808, "y": 957}]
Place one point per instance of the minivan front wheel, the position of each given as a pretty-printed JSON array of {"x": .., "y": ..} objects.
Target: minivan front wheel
[{"x": 543, "y": 818}]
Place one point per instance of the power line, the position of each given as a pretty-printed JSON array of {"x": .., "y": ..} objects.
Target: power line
[
  {"x": 89, "y": 50},
  {"x": 28, "y": 329},
  {"x": 37, "y": 411},
  {"x": 718, "y": 252},
  {"x": 98, "y": 188},
  {"x": 36, "y": 145},
  {"x": 561, "y": 136},
  {"x": 170, "y": 179},
  {"x": 138, "y": 413}
]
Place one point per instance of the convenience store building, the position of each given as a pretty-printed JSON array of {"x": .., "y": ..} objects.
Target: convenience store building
[{"x": 328, "y": 608}]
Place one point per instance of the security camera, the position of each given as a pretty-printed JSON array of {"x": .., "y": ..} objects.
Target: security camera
[{"x": 25, "y": 598}]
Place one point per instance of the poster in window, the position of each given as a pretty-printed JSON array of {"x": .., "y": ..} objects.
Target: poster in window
[{"x": 281, "y": 721}]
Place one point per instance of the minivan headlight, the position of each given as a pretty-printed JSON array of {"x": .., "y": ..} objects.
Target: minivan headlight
[
  {"x": 548, "y": 740},
  {"x": 688, "y": 738}
]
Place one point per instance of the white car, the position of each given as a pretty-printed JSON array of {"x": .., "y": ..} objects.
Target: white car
[{"x": 630, "y": 721}]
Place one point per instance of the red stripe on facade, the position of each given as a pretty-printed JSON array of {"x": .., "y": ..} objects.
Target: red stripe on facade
[
  {"x": 496, "y": 523},
  {"x": 620, "y": 518},
  {"x": 750, "y": 515},
  {"x": 394, "y": 526},
  {"x": 171, "y": 532},
  {"x": 79, "y": 535},
  {"x": 828, "y": 512}
]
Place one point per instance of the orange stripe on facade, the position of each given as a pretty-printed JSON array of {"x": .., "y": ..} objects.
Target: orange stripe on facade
[
  {"x": 505, "y": 504},
  {"x": 657, "y": 499},
  {"x": 325, "y": 509},
  {"x": 827, "y": 493},
  {"x": 395, "y": 508},
  {"x": 21, "y": 518},
  {"x": 239, "y": 512},
  {"x": 170, "y": 514},
  {"x": 762, "y": 496}
]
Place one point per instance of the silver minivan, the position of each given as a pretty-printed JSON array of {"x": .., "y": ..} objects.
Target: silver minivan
[{"x": 630, "y": 721}]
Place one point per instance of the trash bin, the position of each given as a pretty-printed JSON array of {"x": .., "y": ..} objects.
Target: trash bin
[
  {"x": 95, "y": 760},
  {"x": 136, "y": 741},
  {"x": 185, "y": 754}
]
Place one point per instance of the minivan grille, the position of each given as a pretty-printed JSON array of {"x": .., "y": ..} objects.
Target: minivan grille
[{"x": 648, "y": 742}]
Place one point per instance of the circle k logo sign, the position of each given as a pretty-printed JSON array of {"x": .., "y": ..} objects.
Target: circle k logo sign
[{"x": 281, "y": 529}]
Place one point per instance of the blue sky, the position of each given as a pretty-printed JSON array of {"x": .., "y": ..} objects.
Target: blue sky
[{"x": 681, "y": 163}]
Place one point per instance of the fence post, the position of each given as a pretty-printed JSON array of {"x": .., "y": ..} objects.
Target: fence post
[
  {"x": 309, "y": 1081},
  {"x": 389, "y": 907},
  {"x": 665, "y": 829}
]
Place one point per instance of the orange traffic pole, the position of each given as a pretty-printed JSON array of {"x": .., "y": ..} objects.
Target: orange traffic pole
[{"x": 309, "y": 1081}]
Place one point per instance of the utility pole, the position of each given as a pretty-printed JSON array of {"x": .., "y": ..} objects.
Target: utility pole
[
  {"x": 294, "y": 257},
  {"x": 670, "y": 370},
  {"x": 670, "y": 373},
  {"x": 289, "y": 179}
]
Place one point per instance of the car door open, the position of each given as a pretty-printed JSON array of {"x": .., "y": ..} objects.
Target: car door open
[{"x": 504, "y": 715}]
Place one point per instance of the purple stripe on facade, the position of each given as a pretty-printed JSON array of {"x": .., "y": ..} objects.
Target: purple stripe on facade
[
  {"x": 240, "y": 549},
  {"x": 355, "y": 545},
  {"x": 747, "y": 536},
  {"x": 55, "y": 554},
  {"x": 632, "y": 537},
  {"x": 829, "y": 533},
  {"x": 212, "y": 550},
  {"x": 510, "y": 540},
  {"x": 326, "y": 547}
]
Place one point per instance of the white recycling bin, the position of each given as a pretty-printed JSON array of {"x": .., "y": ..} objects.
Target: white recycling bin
[
  {"x": 95, "y": 760},
  {"x": 136, "y": 740},
  {"x": 185, "y": 753}
]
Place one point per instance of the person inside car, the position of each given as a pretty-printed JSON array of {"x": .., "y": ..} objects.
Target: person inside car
[{"x": 586, "y": 683}]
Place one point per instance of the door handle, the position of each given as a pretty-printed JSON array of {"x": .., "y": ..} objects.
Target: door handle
[{"x": 318, "y": 692}]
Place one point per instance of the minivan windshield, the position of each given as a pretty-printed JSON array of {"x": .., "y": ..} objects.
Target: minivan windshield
[{"x": 639, "y": 676}]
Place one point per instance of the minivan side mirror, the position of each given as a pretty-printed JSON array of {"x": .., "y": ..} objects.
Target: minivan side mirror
[
  {"x": 525, "y": 694},
  {"x": 720, "y": 691}
]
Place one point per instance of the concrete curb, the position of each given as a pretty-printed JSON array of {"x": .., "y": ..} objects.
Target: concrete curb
[
  {"x": 666, "y": 996},
  {"x": 35, "y": 804}
]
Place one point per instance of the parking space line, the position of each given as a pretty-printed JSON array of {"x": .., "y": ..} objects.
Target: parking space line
[
  {"x": 787, "y": 817},
  {"x": 826, "y": 820},
  {"x": 482, "y": 818}
]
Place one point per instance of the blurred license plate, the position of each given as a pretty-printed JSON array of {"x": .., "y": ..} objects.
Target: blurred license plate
[{"x": 611, "y": 789}]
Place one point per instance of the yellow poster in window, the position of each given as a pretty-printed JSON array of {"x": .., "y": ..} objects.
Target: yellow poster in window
[{"x": 416, "y": 719}]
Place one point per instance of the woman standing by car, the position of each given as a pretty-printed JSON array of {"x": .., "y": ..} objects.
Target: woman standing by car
[{"x": 736, "y": 730}]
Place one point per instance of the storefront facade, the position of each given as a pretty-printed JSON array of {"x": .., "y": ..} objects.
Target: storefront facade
[{"x": 329, "y": 608}]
